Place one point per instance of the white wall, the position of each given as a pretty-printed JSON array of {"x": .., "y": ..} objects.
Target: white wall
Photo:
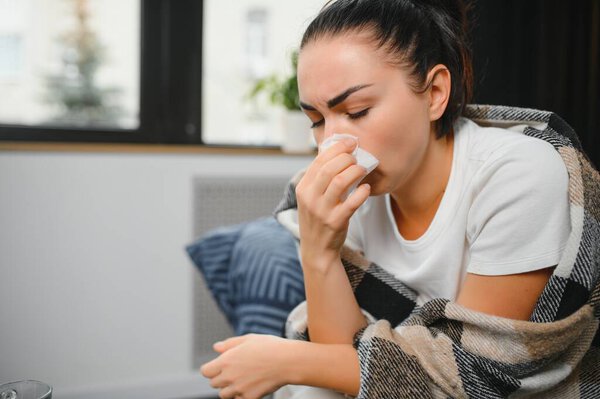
[{"x": 95, "y": 286}]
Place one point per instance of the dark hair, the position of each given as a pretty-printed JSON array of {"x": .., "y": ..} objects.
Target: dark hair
[{"x": 418, "y": 33}]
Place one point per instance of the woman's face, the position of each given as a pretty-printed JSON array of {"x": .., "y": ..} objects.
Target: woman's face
[{"x": 346, "y": 86}]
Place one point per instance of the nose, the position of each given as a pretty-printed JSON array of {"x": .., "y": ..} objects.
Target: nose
[
  {"x": 322, "y": 135},
  {"x": 334, "y": 126}
]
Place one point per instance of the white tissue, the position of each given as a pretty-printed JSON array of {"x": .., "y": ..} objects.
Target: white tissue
[{"x": 363, "y": 158}]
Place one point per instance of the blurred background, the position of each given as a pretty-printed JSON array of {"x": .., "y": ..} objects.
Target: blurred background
[
  {"x": 179, "y": 72},
  {"x": 109, "y": 109}
]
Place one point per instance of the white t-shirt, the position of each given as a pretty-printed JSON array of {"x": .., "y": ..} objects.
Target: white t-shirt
[{"x": 505, "y": 211}]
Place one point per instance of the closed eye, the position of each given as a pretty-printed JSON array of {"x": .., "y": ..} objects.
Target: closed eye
[
  {"x": 355, "y": 115},
  {"x": 359, "y": 114},
  {"x": 317, "y": 124}
]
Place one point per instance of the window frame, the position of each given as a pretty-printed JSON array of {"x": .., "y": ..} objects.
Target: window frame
[{"x": 170, "y": 84}]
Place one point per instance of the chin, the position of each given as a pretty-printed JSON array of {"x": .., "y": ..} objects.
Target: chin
[
  {"x": 377, "y": 184},
  {"x": 376, "y": 191}
]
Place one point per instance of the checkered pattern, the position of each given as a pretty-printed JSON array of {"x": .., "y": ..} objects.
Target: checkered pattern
[{"x": 445, "y": 350}]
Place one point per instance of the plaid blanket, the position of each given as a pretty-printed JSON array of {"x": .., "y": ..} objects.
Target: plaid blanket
[{"x": 444, "y": 350}]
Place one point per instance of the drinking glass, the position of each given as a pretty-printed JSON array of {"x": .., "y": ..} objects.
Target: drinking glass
[{"x": 27, "y": 389}]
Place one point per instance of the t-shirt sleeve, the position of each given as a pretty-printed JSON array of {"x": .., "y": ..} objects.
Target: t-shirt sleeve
[{"x": 519, "y": 218}]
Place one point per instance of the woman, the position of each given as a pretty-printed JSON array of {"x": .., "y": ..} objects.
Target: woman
[{"x": 475, "y": 215}]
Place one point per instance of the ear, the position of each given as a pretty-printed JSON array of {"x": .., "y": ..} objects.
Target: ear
[{"x": 439, "y": 91}]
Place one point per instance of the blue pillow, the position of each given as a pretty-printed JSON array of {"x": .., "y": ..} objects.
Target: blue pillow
[{"x": 253, "y": 272}]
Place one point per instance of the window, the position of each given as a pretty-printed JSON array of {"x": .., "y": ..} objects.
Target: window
[
  {"x": 70, "y": 63},
  {"x": 11, "y": 46},
  {"x": 245, "y": 41},
  {"x": 12, "y": 25},
  {"x": 95, "y": 70},
  {"x": 154, "y": 71}
]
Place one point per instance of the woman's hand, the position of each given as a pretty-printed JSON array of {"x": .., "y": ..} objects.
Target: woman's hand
[
  {"x": 322, "y": 215},
  {"x": 250, "y": 366}
]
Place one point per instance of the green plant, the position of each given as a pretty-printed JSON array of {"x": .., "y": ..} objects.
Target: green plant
[{"x": 280, "y": 92}]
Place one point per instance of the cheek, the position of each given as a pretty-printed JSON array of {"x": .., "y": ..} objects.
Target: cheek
[
  {"x": 401, "y": 120},
  {"x": 399, "y": 145},
  {"x": 395, "y": 136}
]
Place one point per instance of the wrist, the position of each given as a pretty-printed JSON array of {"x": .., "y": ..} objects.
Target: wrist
[
  {"x": 334, "y": 367},
  {"x": 292, "y": 365},
  {"x": 319, "y": 263}
]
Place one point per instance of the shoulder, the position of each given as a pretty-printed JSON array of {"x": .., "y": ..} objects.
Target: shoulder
[
  {"x": 506, "y": 156},
  {"x": 518, "y": 217}
]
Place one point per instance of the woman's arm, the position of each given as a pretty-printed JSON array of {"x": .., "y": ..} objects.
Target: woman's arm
[
  {"x": 332, "y": 310},
  {"x": 331, "y": 366},
  {"x": 511, "y": 296},
  {"x": 333, "y": 313},
  {"x": 254, "y": 365}
]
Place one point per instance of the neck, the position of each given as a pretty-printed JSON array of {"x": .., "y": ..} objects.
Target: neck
[{"x": 418, "y": 199}]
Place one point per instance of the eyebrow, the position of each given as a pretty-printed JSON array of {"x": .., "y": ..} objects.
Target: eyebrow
[{"x": 340, "y": 98}]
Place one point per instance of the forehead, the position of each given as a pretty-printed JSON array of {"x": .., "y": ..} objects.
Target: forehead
[{"x": 332, "y": 64}]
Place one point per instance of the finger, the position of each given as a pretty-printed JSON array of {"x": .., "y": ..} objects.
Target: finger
[
  {"x": 354, "y": 201},
  {"x": 229, "y": 343},
  {"x": 218, "y": 382},
  {"x": 342, "y": 182},
  {"x": 228, "y": 393},
  {"x": 211, "y": 369},
  {"x": 330, "y": 171},
  {"x": 344, "y": 146}
]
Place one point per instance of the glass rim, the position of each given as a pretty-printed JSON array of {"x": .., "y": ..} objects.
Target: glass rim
[{"x": 13, "y": 385}]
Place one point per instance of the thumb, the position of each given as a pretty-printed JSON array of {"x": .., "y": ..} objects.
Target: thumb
[{"x": 225, "y": 345}]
